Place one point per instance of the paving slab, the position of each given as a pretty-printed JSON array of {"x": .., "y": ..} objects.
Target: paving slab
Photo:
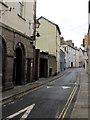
[{"x": 81, "y": 108}]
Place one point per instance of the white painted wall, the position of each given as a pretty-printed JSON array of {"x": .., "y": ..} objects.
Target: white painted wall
[
  {"x": 70, "y": 55},
  {"x": 14, "y": 21},
  {"x": 77, "y": 58}
]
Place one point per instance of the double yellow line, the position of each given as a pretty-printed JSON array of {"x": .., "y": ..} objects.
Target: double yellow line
[
  {"x": 65, "y": 109},
  {"x": 25, "y": 93},
  {"x": 22, "y": 94}
]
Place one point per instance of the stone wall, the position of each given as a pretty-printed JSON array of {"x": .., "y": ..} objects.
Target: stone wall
[
  {"x": 11, "y": 38},
  {"x": 52, "y": 65}
]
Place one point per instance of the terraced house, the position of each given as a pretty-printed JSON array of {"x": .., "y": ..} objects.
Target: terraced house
[
  {"x": 49, "y": 42},
  {"x": 16, "y": 30}
]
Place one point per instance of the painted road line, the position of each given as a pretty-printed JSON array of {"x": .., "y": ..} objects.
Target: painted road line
[
  {"x": 22, "y": 94},
  {"x": 67, "y": 103},
  {"x": 27, "y": 92},
  {"x": 66, "y": 87},
  {"x": 7, "y": 101},
  {"x": 27, "y": 109}
]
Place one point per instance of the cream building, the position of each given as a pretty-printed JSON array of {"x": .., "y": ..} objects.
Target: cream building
[
  {"x": 17, "y": 25},
  {"x": 85, "y": 45},
  {"x": 49, "y": 40},
  {"x": 18, "y": 15}
]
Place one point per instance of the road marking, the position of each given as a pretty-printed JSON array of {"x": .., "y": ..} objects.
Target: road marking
[
  {"x": 31, "y": 90},
  {"x": 61, "y": 114},
  {"x": 69, "y": 104},
  {"x": 49, "y": 87},
  {"x": 21, "y": 95},
  {"x": 27, "y": 109},
  {"x": 66, "y": 87}
]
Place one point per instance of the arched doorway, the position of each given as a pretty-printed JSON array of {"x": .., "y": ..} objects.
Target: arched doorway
[
  {"x": 3, "y": 54},
  {"x": 19, "y": 62}
]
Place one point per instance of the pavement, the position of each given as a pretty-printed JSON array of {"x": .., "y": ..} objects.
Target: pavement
[
  {"x": 17, "y": 90},
  {"x": 82, "y": 106}
]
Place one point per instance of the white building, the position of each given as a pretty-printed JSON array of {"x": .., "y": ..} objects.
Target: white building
[
  {"x": 70, "y": 55},
  {"x": 77, "y": 57},
  {"x": 81, "y": 58}
]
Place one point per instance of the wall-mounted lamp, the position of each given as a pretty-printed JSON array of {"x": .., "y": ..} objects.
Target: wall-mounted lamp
[
  {"x": 36, "y": 33},
  {"x": 37, "y": 24}
]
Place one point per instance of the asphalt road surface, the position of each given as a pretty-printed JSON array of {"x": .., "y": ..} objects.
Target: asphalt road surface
[{"x": 54, "y": 100}]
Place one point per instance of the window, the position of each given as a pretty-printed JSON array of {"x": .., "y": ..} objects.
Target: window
[{"x": 21, "y": 8}]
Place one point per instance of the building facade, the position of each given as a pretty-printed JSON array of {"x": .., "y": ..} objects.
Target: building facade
[
  {"x": 77, "y": 57},
  {"x": 81, "y": 58},
  {"x": 62, "y": 60},
  {"x": 17, "y": 25},
  {"x": 89, "y": 38},
  {"x": 70, "y": 56},
  {"x": 49, "y": 40}
]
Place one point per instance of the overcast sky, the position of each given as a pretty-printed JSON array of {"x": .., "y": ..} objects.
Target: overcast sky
[{"x": 70, "y": 15}]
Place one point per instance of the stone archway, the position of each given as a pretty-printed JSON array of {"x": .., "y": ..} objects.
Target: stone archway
[
  {"x": 3, "y": 55},
  {"x": 19, "y": 65}
]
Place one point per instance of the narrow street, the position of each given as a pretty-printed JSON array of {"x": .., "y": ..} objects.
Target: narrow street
[{"x": 54, "y": 100}]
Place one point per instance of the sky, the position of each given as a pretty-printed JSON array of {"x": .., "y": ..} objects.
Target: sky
[{"x": 70, "y": 15}]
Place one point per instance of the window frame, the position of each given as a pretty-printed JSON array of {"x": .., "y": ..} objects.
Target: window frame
[{"x": 21, "y": 8}]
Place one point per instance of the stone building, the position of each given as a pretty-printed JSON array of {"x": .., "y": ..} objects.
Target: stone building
[
  {"x": 16, "y": 28},
  {"x": 45, "y": 64}
]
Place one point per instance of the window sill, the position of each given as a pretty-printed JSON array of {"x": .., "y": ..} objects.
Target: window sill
[
  {"x": 21, "y": 17},
  {"x": 4, "y": 4}
]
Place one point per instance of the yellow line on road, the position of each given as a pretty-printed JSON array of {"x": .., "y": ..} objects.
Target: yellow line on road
[
  {"x": 25, "y": 93},
  {"x": 68, "y": 101},
  {"x": 7, "y": 101},
  {"x": 22, "y": 94},
  {"x": 69, "y": 104}
]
